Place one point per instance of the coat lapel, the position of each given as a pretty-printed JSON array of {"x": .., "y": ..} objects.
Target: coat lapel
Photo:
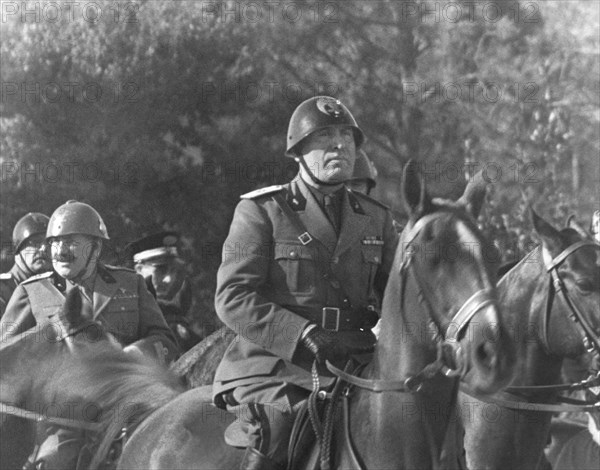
[
  {"x": 314, "y": 218},
  {"x": 103, "y": 294},
  {"x": 354, "y": 223}
]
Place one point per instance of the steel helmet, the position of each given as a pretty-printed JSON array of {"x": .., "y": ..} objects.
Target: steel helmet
[
  {"x": 29, "y": 225},
  {"x": 364, "y": 169},
  {"x": 76, "y": 218},
  {"x": 317, "y": 113}
]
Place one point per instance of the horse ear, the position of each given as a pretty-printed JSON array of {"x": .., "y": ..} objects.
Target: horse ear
[
  {"x": 572, "y": 223},
  {"x": 549, "y": 235},
  {"x": 474, "y": 195},
  {"x": 71, "y": 313},
  {"x": 416, "y": 199}
]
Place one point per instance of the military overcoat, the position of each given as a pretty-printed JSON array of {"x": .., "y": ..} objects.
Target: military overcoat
[
  {"x": 282, "y": 264},
  {"x": 8, "y": 283},
  {"x": 121, "y": 303}
]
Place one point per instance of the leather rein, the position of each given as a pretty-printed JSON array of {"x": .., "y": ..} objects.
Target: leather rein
[
  {"x": 463, "y": 316},
  {"x": 512, "y": 397}
]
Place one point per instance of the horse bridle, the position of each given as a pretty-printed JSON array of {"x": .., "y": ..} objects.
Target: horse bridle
[
  {"x": 591, "y": 342},
  {"x": 462, "y": 317}
]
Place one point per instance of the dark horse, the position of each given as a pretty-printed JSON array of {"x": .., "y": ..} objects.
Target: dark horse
[
  {"x": 551, "y": 306},
  {"x": 439, "y": 323},
  {"x": 72, "y": 373},
  {"x": 441, "y": 287}
]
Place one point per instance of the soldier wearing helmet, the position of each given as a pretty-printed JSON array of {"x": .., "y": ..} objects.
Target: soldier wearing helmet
[
  {"x": 303, "y": 272},
  {"x": 31, "y": 256},
  {"x": 156, "y": 258},
  {"x": 364, "y": 178},
  {"x": 117, "y": 298}
]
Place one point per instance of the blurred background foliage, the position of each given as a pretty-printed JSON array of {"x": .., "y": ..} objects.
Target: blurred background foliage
[{"x": 160, "y": 114}]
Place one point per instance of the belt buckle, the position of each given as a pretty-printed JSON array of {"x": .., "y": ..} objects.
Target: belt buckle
[{"x": 327, "y": 311}]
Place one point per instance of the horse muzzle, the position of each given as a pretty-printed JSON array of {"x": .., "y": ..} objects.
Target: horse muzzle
[{"x": 481, "y": 349}]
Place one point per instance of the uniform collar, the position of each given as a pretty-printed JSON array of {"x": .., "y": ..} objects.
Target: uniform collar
[
  {"x": 311, "y": 214},
  {"x": 86, "y": 284},
  {"x": 354, "y": 219}
]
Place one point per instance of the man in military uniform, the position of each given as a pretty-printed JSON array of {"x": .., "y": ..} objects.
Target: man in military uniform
[
  {"x": 364, "y": 177},
  {"x": 157, "y": 259},
  {"x": 31, "y": 256},
  {"x": 303, "y": 272},
  {"x": 117, "y": 298}
]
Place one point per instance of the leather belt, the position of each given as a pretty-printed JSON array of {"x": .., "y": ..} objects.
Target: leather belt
[{"x": 337, "y": 319}]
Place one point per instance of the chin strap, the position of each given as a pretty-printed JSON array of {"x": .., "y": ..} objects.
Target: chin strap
[
  {"x": 312, "y": 176},
  {"x": 80, "y": 275},
  {"x": 23, "y": 264}
]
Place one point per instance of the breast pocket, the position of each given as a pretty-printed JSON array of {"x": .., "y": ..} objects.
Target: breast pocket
[
  {"x": 121, "y": 318},
  {"x": 294, "y": 269}
]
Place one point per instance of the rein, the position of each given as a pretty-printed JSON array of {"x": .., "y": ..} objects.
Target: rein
[
  {"x": 12, "y": 410},
  {"x": 519, "y": 402},
  {"x": 512, "y": 397}
]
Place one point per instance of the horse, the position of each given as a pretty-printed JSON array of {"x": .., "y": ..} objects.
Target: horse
[
  {"x": 441, "y": 287},
  {"x": 197, "y": 367},
  {"x": 550, "y": 302},
  {"x": 71, "y": 373},
  {"x": 440, "y": 323}
]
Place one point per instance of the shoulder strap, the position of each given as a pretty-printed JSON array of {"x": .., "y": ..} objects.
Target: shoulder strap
[
  {"x": 304, "y": 237},
  {"x": 262, "y": 192}
]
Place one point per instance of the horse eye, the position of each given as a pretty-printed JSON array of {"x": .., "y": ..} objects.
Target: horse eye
[{"x": 585, "y": 285}]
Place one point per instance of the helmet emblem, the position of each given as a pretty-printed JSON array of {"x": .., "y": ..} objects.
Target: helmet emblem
[{"x": 330, "y": 106}]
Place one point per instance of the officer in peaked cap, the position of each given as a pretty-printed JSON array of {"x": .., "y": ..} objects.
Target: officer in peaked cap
[
  {"x": 115, "y": 297},
  {"x": 302, "y": 275},
  {"x": 157, "y": 259},
  {"x": 31, "y": 255}
]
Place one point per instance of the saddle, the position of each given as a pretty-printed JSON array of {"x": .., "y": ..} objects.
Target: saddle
[{"x": 321, "y": 424}]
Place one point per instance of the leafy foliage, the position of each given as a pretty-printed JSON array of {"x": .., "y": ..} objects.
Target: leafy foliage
[{"x": 160, "y": 114}]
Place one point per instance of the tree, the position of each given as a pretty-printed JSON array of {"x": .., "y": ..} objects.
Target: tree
[{"x": 160, "y": 114}]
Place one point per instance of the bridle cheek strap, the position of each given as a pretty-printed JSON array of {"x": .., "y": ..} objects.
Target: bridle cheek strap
[{"x": 590, "y": 338}]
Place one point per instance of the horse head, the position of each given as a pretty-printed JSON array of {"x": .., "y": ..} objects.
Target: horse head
[
  {"x": 31, "y": 359},
  {"x": 70, "y": 370},
  {"x": 550, "y": 302},
  {"x": 32, "y": 382},
  {"x": 444, "y": 288},
  {"x": 570, "y": 258}
]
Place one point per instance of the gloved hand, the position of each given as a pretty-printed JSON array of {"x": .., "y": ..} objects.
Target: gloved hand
[{"x": 324, "y": 345}]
